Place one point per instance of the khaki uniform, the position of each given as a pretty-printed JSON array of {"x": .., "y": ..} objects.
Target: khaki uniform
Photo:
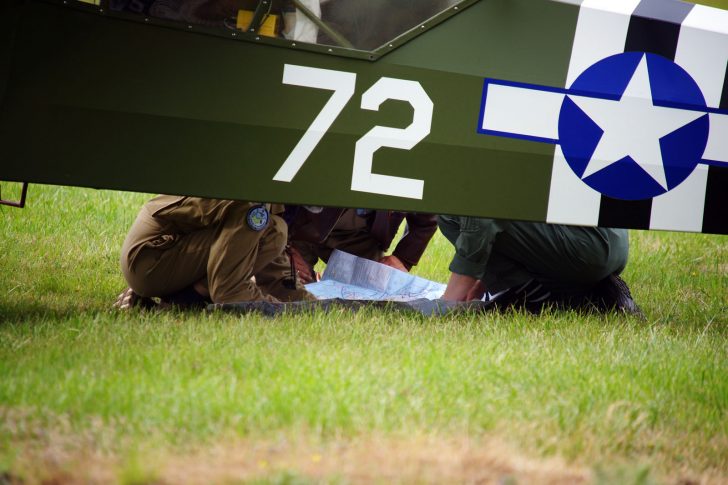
[{"x": 178, "y": 241}]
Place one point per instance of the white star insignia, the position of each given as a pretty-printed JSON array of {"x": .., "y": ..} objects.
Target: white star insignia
[{"x": 633, "y": 126}]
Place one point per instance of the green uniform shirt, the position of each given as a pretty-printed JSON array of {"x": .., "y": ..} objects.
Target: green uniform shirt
[{"x": 568, "y": 260}]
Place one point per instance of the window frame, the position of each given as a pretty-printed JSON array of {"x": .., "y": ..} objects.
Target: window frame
[{"x": 102, "y": 8}]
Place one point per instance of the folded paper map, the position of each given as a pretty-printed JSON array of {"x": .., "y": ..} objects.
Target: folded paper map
[{"x": 350, "y": 277}]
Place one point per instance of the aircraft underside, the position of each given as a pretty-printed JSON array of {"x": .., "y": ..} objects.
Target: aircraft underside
[{"x": 594, "y": 112}]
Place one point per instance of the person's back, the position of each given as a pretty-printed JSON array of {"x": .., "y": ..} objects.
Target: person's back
[
  {"x": 191, "y": 250},
  {"x": 535, "y": 262}
]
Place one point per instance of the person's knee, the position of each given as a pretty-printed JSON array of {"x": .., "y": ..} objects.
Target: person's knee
[
  {"x": 613, "y": 263},
  {"x": 140, "y": 282},
  {"x": 144, "y": 275},
  {"x": 278, "y": 236}
]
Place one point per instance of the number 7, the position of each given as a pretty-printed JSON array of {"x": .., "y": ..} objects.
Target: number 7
[{"x": 342, "y": 84}]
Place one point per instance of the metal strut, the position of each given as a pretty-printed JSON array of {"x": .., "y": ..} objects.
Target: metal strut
[{"x": 21, "y": 203}]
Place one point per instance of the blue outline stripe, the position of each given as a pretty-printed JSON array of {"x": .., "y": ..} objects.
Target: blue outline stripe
[
  {"x": 717, "y": 111},
  {"x": 692, "y": 107},
  {"x": 505, "y": 134},
  {"x": 483, "y": 98},
  {"x": 573, "y": 92},
  {"x": 713, "y": 163}
]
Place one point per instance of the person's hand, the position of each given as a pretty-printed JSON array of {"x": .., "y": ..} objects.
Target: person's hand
[
  {"x": 300, "y": 266},
  {"x": 462, "y": 288},
  {"x": 476, "y": 291},
  {"x": 394, "y": 262}
]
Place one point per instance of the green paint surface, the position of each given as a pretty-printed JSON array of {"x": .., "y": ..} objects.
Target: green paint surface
[
  {"x": 101, "y": 102},
  {"x": 97, "y": 101}
]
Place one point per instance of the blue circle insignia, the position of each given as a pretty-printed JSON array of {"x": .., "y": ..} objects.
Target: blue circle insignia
[
  {"x": 633, "y": 125},
  {"x": 257, "y": 217}
]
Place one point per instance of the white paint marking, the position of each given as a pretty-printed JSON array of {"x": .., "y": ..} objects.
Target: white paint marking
[
  {"x": 522, "y": 111},
  {"x": 601, "y": 32},
  {"x": 703, "y": 52},
  {"x": 717, "y": 149},
  {"x": 362, "y": 178},
  {"x": 342, "y": 84}
]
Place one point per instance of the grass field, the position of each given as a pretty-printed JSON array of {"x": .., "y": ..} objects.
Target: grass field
[
  {"x": 93, "y": 395},
  {"x": 90, "y": 395}
]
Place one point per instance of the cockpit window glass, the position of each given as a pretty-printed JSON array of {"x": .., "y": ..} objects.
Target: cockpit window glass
[
  {"x": 373, "y": 23},
  {"x": 363, "y": 25},
  {"x": 210, "y": 13}
]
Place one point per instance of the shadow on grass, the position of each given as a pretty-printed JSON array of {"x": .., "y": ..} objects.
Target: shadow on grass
[
  {"x": 26, "y": 312},
  {"x": 36, "y": 312}
]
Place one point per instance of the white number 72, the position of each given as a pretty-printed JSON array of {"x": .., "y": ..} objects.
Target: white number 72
[{"x": 343, "y": 85}]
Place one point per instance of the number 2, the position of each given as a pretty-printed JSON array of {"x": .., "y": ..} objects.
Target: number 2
[{"x": 343, "y": 84}]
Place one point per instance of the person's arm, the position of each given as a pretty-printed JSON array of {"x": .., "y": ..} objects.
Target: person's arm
[
  {"x": 298, "y": 26},
  {"x": 473, "y": 240},
  {"x": 420, "y": 229},
  {"x": 302, "y": 270},
  {"x": 459, "y": 287}
]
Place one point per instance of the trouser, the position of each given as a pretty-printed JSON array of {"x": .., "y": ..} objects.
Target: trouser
[
  {"x": 568, "y": 261},
  {"x": 225, "y": 255}
]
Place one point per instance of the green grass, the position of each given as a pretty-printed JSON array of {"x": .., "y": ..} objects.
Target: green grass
[
  {"x": 91, "y": 395},
  {"x": 624, "y": 397}
]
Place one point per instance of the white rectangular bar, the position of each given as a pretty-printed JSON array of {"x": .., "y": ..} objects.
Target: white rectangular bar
[
  {"x": 717, "y": 149},
  {"x": 681, "y": 209},
  {"x": 702, "y": 51},
  {"x": 579, "y": 207},
  {"x": 601, "y": 31},
  {"x": 522, "y": 111}
]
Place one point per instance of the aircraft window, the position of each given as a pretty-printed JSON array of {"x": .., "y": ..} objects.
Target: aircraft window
[
  {"x": 354, "y": 24},
  {"x": 373, "y": 23}
]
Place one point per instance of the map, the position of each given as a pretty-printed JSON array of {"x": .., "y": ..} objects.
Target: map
[{"x": 350, "y": 277}]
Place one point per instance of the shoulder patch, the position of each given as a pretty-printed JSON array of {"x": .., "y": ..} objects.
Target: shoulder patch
[{"x": 257, "y": 217}]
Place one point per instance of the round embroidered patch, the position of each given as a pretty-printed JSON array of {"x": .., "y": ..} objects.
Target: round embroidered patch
[{"x": 257, "y": 217}]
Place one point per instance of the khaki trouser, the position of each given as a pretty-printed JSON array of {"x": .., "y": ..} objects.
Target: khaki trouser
[{"x": 174, "y": 245}]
